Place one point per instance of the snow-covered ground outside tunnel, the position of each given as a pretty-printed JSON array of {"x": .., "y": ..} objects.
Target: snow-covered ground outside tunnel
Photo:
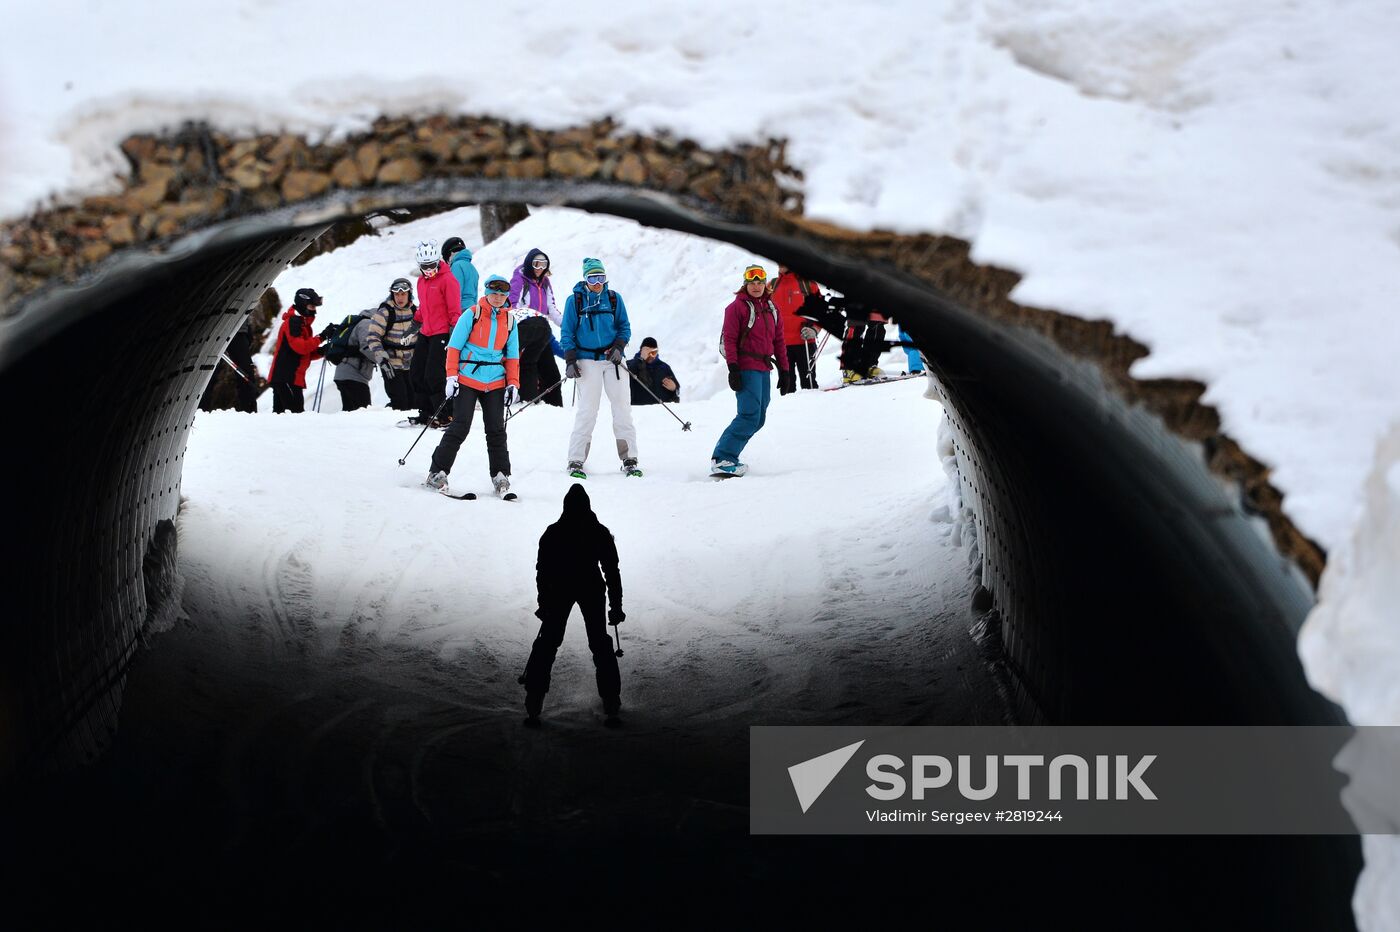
[{"x": 823, "y": 587}]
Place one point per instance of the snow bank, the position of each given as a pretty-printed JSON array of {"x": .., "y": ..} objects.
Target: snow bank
[{"x": 1350, "y": 646}]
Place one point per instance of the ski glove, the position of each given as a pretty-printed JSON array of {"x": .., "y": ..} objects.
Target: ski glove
[
  {"x": 615, "y": 354},
  {"x": 736, "y": 381},
  {"x": 808, "y": 334},
  {"x": 570, "y": 369},
  {"x": 450, "y": 387},
  {"x": 512, "y": 396},
  {"x": 616, "y": 616},
  {"x": 386, "y": 370},
  {"x": 787, "y": 383}
]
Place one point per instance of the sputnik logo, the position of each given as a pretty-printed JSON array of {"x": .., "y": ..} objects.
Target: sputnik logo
[{"x": 811, "y": 777}]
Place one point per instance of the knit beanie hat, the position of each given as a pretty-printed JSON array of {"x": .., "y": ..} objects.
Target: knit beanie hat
[{"x": 593, "y": 267}]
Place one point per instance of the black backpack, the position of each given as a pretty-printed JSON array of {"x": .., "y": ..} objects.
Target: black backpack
[{"x": 341, "y": 345}]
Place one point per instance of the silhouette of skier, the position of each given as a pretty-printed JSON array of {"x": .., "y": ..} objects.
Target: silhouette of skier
[{"x": 567, "y": 571}]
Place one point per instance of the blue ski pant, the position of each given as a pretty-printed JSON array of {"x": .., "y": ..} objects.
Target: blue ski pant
[
  {"x": 753, "y": 401},
  {"x": 916, "y": 359}
]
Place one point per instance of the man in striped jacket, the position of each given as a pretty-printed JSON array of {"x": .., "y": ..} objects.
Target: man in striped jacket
[{"x": 483, "y": 365}]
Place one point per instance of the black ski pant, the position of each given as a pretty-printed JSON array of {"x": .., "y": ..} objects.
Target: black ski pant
[
  {"x": 400, "y": 391},
  {"x": 353, "y": 395},
  {"x": 800, "y": 356},
  {"x": 861, "y": 349},
  {"x": 241, "y": 352},
  {"x": 429, "y": 372},
  {"x": 533, "y": 334},
  {"x": 549, "y": 375},
  {"x": 554, "y": 614},
  {"x": 287, "y": 397},
  {"x": 493, "y": 412}
]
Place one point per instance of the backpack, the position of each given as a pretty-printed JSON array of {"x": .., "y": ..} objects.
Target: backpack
[
  {"x": 469, "y": 348},
  {"x": 609, "y": 310},
  {"x": 341, "y": 345},
  {"x": 753, "y": 315}
]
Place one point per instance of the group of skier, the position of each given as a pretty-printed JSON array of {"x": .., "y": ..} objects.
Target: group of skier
[{"x": 451, "y": 351}]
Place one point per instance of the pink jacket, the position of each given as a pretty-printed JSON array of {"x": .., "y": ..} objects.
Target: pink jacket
[
  {"x": 439, "y": 302},
  {"x": 763, "y": 341}
]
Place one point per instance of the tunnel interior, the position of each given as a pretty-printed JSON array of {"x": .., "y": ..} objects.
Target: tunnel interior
[{"x": 1121, "y": 581}]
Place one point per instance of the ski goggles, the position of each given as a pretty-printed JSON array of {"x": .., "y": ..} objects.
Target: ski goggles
[
  {"x": 540, "y": 264},
  {"x": 401, "y": 288},
  {"x": 498, "y": 287},
  {"x": 596, "y": 279},
  {"x": 755, "y": 273},
  {"x": 429, "y": 270}
]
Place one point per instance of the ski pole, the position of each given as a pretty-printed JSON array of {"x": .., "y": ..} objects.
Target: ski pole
[
  {"x": 320, "y": 381},
  {"x": 538, "y": 398},
  {"x": 812, "y": 367},
  {"x": 618, "y": 637},
  {"x": 685, "y": 425},
  {"x": 234, "y": 366},
  {"x": 404, "y": 458},
  {"x": 807, "y": 348}
]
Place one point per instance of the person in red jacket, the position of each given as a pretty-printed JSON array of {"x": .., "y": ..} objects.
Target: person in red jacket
[
  {"x": 790, "y": 291},
  {"x": 753, "y": 341},
  {"x": 439, "y": 307},
  {"x": 297, "y": 344}
]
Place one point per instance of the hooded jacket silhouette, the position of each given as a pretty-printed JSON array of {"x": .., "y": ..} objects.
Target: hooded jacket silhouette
[{"x": 577, "y": 564}]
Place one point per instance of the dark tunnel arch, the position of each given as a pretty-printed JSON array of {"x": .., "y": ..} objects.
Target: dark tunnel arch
[{"x": 1127, "y": 583}]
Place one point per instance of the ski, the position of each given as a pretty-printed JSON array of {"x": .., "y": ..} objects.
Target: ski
[
  {"x": 875, "y": 381},
  {"x": 464, "y": 497},
  {"x": 509, "y": 497}
]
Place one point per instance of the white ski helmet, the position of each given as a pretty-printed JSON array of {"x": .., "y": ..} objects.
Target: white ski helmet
[{"x": 426, "y": 252}]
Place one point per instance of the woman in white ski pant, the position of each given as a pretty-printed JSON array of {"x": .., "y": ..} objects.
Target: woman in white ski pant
[{"x": 596, "y": 376}]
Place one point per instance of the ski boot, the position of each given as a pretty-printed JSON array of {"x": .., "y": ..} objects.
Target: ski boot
[
  {"x": 630, "y": 468},
  {"x": 437, "y": 480},
  {"x": 848, "y": 376},
  {"x": 610, "y": 713},
  {"x": 576, "y": 470},
  {"x": 725, "y": 469},
  {"x": 534, "y": 703},
  {"x": 875, "y": 372}
]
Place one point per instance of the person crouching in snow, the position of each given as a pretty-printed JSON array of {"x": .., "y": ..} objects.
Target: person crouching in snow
[
  {"x": 594, "y": 333},
  {"x": 483, "y": 365},
  {"x": 753, "y": 340}
]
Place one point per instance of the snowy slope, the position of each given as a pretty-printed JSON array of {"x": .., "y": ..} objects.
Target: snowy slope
[{"x": 308, "y": 530}]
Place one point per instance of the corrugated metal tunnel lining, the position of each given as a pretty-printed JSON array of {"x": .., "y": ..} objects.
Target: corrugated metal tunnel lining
[{"x": 1128, "y": 584}]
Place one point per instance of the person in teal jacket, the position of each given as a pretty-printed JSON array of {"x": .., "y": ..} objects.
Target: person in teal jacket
[
  {"x": 459, "y": 262},
  {"x": 594, "y": 334}
]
